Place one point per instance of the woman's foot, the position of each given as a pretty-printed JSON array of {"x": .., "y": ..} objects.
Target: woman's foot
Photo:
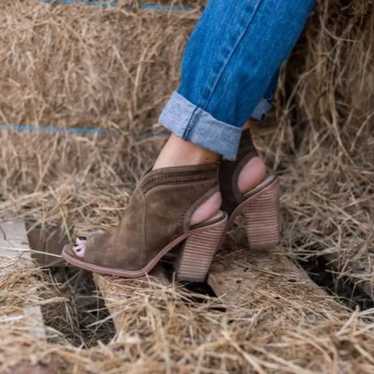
[
  {"x": 247, "y": 189},
  {"x": 252, "y": 174},
  {"x": 157, "y": 220},
  {"x": 178, "y": 201},
  {"x": 177, "y": 152}
]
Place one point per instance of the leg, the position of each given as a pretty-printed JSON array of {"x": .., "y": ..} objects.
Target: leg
[
  {"x": 229, "y": 64},
  {"x": 229, "y": 73}
]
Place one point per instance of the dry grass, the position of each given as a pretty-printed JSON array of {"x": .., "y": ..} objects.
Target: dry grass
[
  {"x": 113, "y": 69},
  {"x": 80, "y": 66},
  {"x": 165, "y": 332},
  {"x": 325, "y": 150}
]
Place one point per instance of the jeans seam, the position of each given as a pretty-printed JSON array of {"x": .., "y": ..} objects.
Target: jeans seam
[
  {"x": 190, "y": 124},
  {"x": 228, "y": 59},
  {"x": 200, "y": 127}
]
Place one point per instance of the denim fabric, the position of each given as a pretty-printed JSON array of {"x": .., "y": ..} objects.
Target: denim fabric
[
  {"x": 264, "y": 106},
  {"x": 229, "y": 66}
]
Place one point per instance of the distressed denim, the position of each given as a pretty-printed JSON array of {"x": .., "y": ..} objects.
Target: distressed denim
[
  {"x": 229, "y": 69},
  {"x": 264, "y": 106}
]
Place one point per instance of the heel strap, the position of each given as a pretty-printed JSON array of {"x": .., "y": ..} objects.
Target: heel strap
[{"x": 230, "y": 170}]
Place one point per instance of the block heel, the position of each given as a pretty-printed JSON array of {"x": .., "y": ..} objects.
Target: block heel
[
  {"x": 261, "y": 211},
  {"x": 198, "y": 251}
]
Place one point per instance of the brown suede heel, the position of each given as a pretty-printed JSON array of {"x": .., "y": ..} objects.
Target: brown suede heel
[
  {"x": 156, "y": 221},
  {"x": 260, "y": 205}
]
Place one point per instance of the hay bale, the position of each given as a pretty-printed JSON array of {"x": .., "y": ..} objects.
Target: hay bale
[
  {"x": 322, "y": 144},
  {"x": 80, "y": 66}
]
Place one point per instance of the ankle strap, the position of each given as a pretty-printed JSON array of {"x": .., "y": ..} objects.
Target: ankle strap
[{"x": 230, "y": 170}]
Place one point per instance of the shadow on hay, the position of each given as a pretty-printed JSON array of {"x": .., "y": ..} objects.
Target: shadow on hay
[{"x": 81, "y": 318}]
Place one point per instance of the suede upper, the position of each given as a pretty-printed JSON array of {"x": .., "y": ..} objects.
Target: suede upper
[{"x": 159, "y": 211}]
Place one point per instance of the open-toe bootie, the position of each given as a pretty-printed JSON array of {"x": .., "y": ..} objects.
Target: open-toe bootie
[
  {"x": 260, "y": 205},
  {"x": 156, "y": 221}
]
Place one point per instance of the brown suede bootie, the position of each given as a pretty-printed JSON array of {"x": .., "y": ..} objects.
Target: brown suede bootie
[
  {"x": 156, "y": 221},
  {"x": 259, "y": 205}
]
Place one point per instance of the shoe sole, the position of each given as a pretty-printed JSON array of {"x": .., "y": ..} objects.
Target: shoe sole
[{"x": 193, "y": 265}]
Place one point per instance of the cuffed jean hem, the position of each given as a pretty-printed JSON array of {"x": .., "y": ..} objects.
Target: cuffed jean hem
[
  {"x": 262, "y": 108},
  {"x": 193, "y": 124}
]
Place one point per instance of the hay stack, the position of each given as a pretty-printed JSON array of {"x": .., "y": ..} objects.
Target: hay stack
[
  {"x": 79, "y": 66},
  {"x": 326, "y": 126}
]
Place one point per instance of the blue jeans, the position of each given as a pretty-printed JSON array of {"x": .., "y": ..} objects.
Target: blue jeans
[{"x": 229, "y": 69}]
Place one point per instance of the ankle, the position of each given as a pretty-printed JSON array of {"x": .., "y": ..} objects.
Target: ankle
[
  {"x": 252, "y": 174},
  {"x": 178, "y": 152}
]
